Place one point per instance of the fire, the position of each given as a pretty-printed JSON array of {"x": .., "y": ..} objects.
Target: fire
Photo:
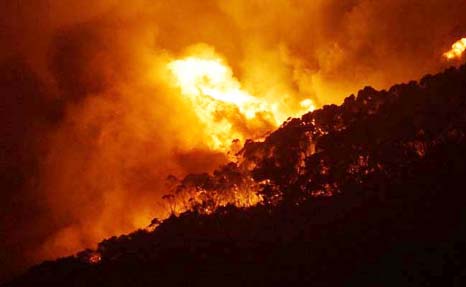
[
  {"x": 307, "y": 104},
  {"x": 457, "y": 49},
  {"x": 94, "y": 258},
  {"x": 221, "y": 103},
  {"x": 211, "y": 77},
  {"x": 215, "y": 94}
]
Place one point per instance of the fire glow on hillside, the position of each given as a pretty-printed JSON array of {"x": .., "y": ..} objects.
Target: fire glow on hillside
[{"x": 100, "y": 104}]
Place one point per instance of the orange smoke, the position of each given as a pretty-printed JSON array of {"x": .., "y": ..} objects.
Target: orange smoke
[
  {"x": 165, "y": 113},
  {"x": 103, "y": 103}
]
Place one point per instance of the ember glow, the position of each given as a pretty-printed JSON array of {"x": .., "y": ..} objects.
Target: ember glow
[
  {"x": 94, "y": 258},
  {"x": 457, "y": 50}
]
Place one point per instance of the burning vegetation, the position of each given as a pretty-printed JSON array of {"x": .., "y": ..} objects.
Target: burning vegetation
[
  {"x": 228, "y": 112},
  {"x": 368, "y": 185}
]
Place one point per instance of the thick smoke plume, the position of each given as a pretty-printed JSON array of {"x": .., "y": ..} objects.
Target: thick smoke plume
[{"x": 91, "y": 124}]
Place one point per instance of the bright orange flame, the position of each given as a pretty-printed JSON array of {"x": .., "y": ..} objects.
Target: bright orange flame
[
  {"x": 209, "y": 82},
  {"x": 457, "y": 49}
]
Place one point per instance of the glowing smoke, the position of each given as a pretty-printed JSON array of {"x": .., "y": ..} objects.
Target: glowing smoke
[{"x": 93, "y": 120}]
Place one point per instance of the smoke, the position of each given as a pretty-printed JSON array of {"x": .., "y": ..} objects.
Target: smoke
[{"x": 91, "y": 125}]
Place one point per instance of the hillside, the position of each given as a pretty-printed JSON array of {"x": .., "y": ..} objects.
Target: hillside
[{"x": 369, "y": 193}]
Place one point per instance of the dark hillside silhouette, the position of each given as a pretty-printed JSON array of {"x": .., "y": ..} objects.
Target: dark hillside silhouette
[{"x": 369, "y": 193}]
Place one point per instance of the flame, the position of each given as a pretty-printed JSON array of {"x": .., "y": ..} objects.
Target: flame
[
  {"x": 95, "y": 258},
  {"x": 307, "y": 104},
  {"x": 219, "y": 100},
  {"x": 457, "y": 50}
]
